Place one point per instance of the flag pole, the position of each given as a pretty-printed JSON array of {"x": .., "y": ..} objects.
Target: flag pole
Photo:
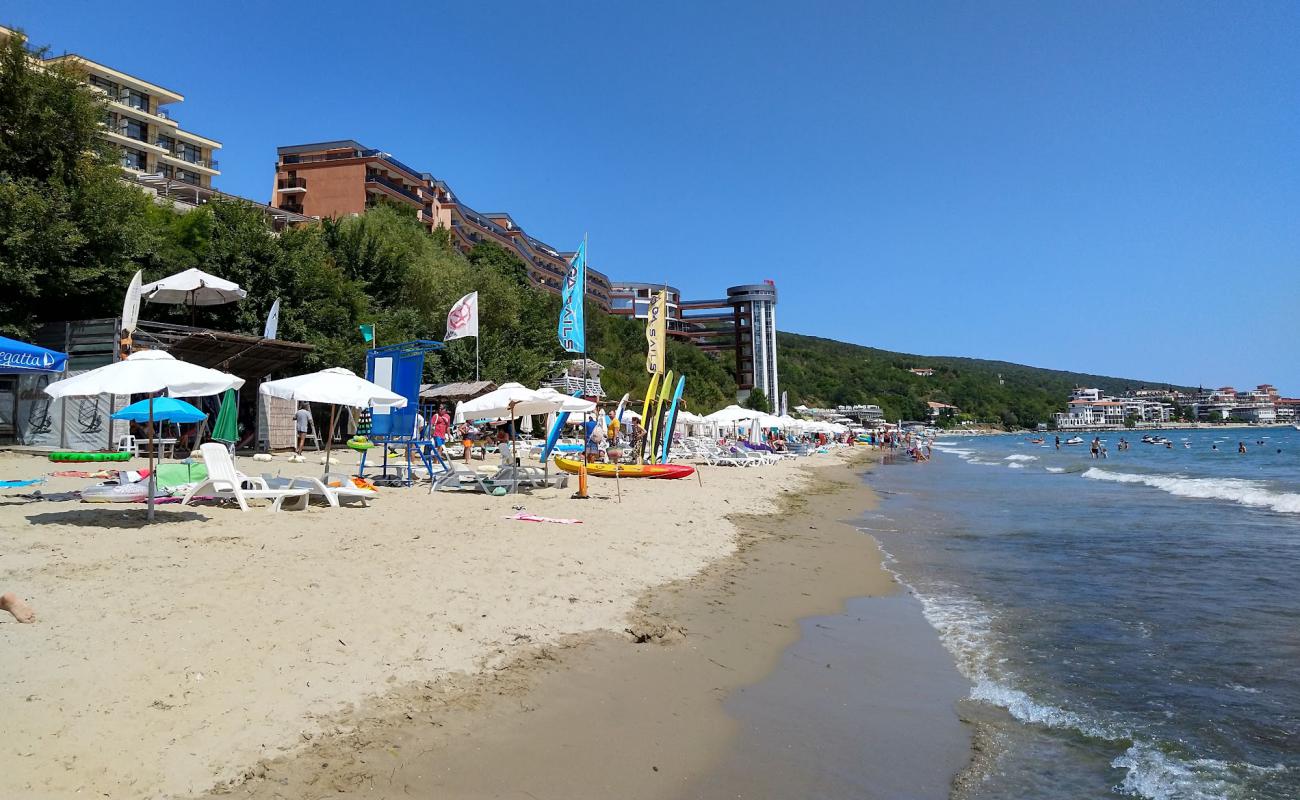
[{"x": 582, "y": 298}]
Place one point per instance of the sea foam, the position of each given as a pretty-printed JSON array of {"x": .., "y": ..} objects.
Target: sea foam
[
  {"x": 1237, "y": 490},
  {"x": 1019, "y": 457}
]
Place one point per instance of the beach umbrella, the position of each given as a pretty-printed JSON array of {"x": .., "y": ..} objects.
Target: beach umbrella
[
  {"x": 512, "y": 400},
  {"x": 167, "y": 409},
  {"x": 192, "y": 288},
  {"x": 147, "y": 372},
  {"x": 571, "y": 404},
  {"x": 226, "y": 428},
  {"x": 22, "y": 358},
  {"x": 338, "y": 387}
]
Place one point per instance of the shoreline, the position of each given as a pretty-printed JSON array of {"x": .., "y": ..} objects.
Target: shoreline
[{"x": 643, "y": 714}]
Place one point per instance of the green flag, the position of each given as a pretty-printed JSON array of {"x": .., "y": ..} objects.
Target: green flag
[
  {"x": 226, "y": 428},
  {"x": 368, "y": 332}
]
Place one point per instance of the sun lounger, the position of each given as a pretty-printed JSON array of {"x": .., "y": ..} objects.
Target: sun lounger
[
  {"x": 227, "y": 483},
  {"x": 334, "y": 488}
]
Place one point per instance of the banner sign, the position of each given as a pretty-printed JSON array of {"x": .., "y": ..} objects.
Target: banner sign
[
  {"x": 572, "y": 328},
  {"x": 656, "y": 333},
  {"x": 462, "y": 320}
]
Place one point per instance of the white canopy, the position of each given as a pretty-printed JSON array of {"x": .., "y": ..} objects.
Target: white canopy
[
  {"x": 732, "y": 415},
  {"x": 575, "y": 405},
  {"x": 146, "y": 372},
  {"x": 509, "y": 401},
  {"x": 337, "y": 386},
  {"x": 193, "y": 287},
  {"x": 687, "y": 418}
]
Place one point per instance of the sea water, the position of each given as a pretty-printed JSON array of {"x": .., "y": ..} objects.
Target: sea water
[{"x": 1130, "y": 625}]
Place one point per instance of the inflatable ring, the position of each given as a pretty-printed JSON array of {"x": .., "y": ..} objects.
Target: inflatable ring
[
  {"x": 70, "y": 457},
  {"x": 360, "y": 443}
]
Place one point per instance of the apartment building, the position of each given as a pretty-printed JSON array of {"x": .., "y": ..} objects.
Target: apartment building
[
  {"x": 743, "y": 323},
  {"x": 140, "y": 125},
  {"x": 343, "y": 177}
]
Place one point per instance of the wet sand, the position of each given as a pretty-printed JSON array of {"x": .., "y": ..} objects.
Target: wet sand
[{"x": 705, "y": 694}]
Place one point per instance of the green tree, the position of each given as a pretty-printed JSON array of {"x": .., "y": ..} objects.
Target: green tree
[
  {"x": 757, "y": 400},
  {"x": 70, "y": 229}
]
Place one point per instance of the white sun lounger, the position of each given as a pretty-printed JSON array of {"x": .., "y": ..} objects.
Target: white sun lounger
[
  {"x": 227, "y": 483},
  {"x": 322, "y": 488}
]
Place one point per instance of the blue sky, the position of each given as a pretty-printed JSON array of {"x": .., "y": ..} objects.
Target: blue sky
[{"x": 1107, "y": 187}]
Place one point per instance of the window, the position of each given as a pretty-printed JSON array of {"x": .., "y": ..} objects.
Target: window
[
  {"x": 187, "y": 176},
  {"x": 134, "y": 99},
  {"x": 133, "y": 159},
  {"x": 190, "y": 153},
  {"x": 134, "y": 129}
]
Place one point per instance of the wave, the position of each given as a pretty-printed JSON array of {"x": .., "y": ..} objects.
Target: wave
[
  {"x": 1016, "y": 465},
  {"x": 1238, "y": 490},
  {"x": 1153, "y": 770},
  {"x": 1018, "y": 457},
  {"x": 1056, "y": 469}
]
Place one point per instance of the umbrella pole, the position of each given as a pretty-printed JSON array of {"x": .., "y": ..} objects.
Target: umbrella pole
[
  {"x": 329, "y": 438},
  {"x": 152, "y": 484}
]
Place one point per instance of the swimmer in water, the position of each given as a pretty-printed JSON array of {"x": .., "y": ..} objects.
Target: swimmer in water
[{"x": 1241, "y": 447}]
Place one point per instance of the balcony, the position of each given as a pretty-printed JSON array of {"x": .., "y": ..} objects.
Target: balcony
[
  {"x": 395, "y": 187},
  {"x": 291, "y": 185}
]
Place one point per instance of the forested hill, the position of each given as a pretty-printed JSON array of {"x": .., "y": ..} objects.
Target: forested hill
[{"x": 824, "y": 372}]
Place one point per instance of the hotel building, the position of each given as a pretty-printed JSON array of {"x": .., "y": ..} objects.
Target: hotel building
[
  {"x": 344, "y": 177},
  {"x": 743, "y": 323},
  {"x": 148, "y": 140}
]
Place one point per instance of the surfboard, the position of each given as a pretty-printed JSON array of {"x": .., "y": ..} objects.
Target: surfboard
[
  {"x": 554, "y": 435},
  {"x": 650, "y": 394},
  {"x": 665, "y": 390},
  {"x": 670, "y": 419}
]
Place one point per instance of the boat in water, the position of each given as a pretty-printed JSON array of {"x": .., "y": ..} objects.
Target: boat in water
[{"x": 1074, "y": 440}]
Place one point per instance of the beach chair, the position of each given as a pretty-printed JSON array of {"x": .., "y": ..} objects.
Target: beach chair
[
  {"x": 335, "y": 488},
  {"x": 227, "y": 483},
  {"x": 459, "y": 476}
]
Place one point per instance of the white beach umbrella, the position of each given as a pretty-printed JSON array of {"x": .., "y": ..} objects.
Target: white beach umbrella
[
  {"x": 336, "y": 386},
  {"x": 147, "y": 372},
  {"x": 193, "y": 287},
  {"x": 574, "y": 405},
  {"x": 509, "y": 401},
  {"x": 731, "y": 415}
]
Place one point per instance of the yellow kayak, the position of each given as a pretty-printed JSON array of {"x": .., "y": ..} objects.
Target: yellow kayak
[{"x": 602, "y": 470}]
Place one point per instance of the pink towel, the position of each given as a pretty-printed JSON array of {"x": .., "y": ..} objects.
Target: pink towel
[{"x": 522, "y": 517}]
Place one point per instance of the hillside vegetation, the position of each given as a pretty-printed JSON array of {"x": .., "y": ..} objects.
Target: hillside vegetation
[{"x": 824, "y": 372}]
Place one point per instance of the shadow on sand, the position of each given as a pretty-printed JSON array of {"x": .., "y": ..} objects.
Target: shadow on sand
[{"x": 115, "y": 517}]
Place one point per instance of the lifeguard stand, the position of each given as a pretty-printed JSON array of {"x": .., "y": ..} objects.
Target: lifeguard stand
[{"x": 400, "y": 369}]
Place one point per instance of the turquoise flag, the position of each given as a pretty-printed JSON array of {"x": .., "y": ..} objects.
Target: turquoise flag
[
  {"x": 573, "y": 328},
  {"x": 368, "y": 332}
]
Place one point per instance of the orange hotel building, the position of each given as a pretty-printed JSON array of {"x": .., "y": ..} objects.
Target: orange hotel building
[{"x": 335, "y": 179}]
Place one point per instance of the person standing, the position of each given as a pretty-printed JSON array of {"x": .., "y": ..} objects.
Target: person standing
[
  {"x": 441, "y": 427},
  {"x": 302, "y": 421}
]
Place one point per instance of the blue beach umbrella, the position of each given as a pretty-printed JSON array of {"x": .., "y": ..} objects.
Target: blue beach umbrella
[{"x": 167, "y": 409}]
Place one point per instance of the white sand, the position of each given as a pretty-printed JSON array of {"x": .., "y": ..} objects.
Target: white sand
[{"x": 172, "y": 656}]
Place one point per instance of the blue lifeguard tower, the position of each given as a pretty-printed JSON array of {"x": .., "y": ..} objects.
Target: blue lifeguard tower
[{"x": 400, "y": 369}]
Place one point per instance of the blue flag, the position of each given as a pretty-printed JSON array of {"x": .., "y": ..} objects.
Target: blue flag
[{"x": 573, "y": 329}]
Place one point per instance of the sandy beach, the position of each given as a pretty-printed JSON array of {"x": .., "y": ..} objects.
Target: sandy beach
[{"x": 218, "y": 649}]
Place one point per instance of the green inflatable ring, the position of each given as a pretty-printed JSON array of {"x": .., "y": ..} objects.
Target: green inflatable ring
[
  {"x": 65, "y": 456},
  {"x": 360, "y": 443}
]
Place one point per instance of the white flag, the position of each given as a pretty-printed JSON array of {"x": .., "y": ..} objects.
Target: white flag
[
  {"x": 462, "y": 320},
  {"x": 272, "y": 322},
  {"x": 131, "y": 305}
]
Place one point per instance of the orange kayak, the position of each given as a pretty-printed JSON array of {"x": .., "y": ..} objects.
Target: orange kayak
[{"x": 602, "y": 470}]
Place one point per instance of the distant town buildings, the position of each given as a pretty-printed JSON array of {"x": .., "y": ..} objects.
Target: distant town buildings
[
  {"x": 924, "y": 372},
  {"x": 938, "y": 410},
  {"x": 1090, "y": 408}
]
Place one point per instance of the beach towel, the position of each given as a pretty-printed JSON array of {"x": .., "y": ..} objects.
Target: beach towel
[
  {"x": 522, "y": 517},
  {"x": 81, "y": 473},
  {"x": 16, "y": 484}
]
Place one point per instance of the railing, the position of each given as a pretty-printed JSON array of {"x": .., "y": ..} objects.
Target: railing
[
  {"x": 291, "y": 183},
  {"x": 395, "y": 186},
  {"x": 390, "y": 159}
]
